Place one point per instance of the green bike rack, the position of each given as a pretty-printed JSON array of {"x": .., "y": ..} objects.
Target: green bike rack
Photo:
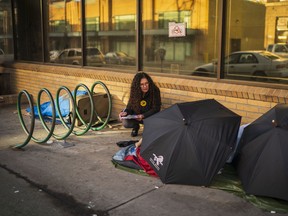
[{"x": 75, "y": 113}]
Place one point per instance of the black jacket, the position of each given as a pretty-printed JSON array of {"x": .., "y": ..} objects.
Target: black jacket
[{"x": 147, "y": 107}]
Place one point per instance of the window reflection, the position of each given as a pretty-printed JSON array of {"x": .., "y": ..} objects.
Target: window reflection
[
  {"x": 113, "y": 32},
  {"x": 252, "y": 28},
  {"x": 179, "y": 36},
  {"x": 179, "y": 55},
  {"x": 64, "y": 32}
]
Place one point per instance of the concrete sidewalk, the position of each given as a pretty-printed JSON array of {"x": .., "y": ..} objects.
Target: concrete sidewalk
[{"x": 83, "y": 176}]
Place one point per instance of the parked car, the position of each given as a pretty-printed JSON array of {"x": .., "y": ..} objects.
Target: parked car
[
  {"x": 249, "y": 63},
  {"x": 119, "y": 58},
  {"x": 279, "y": 49},
  {"x": 74, "y": 56}
]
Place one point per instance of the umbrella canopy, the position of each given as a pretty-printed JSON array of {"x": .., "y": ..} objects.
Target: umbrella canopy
[
  {"x": 262, "y": 163},
  {"x": 189, "y": 143}
]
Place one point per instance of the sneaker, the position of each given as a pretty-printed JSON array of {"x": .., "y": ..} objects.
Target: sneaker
[{"x": 134, "y": 132}]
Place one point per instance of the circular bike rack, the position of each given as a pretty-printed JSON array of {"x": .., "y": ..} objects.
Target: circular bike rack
[{"x": 55, "y": 106}]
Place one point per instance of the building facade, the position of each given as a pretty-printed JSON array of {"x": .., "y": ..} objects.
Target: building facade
[{"x": 194, "y": 49}]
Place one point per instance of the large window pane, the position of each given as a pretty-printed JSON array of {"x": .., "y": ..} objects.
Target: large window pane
[
  {"x": 253, "y": 27},
  {"x": 170, "y": 48},
  {"x": 64, "y": 31},
  {"x": 28, "y": 27},
  {"x": 6, "y": 34},
  {"x": 110, "y": 32}
]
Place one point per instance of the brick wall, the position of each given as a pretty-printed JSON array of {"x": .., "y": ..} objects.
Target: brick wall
[{"x": 248, "y": 101}]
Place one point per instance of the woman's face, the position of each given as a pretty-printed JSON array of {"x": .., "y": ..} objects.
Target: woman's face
[{"x": 144, "y": 84}]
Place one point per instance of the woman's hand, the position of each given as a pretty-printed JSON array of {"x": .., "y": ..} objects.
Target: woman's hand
[
  {"x": 140, "y": 117},
  {"x": 121, "y": 114},
  {"x": 137, "y": 144}
]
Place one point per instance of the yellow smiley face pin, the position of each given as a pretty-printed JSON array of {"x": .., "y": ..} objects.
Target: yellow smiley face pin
[{"x": 143, "y": 103}]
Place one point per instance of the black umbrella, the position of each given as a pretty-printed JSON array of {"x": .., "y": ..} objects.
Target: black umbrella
[
  {"x": 262, "y": 163},
  {"x": 189, "y": 143}
]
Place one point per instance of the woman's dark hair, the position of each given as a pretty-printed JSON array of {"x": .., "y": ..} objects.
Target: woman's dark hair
[{"x": 136, "y": 92}]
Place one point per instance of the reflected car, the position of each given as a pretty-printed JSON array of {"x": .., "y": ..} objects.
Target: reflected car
[
  {"x": 279, "y": 49},
  {"x": 119, "y": 58},
  {"x": 74, "y": 56},
  {"x": 248, "y": 63}
]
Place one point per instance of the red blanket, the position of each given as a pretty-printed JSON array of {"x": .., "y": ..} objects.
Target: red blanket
[{"x": 141, "y": 162}]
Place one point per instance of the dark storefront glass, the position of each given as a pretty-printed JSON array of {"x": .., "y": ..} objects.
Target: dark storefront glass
[
  {"x": 28, "y": 30},
  {"x": 179, "y": 35},
  {"x": 110, "y": 32},
  {"x": 253, "y": 28},
  {"x": 6, "y": 33},
  {"x": 64, "y": 31},
  {"x": 175, "y": 37}
]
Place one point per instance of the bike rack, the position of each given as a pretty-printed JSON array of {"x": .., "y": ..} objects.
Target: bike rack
[{"x": 55, "y": 106}]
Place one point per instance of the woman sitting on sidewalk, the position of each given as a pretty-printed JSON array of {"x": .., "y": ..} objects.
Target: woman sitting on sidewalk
[{"x": 144, "y": 101}]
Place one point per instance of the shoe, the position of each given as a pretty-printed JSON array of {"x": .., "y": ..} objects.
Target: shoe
[{"x": 134, "y": 132}]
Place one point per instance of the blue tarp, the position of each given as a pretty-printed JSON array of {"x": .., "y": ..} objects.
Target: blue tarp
[
  {"x": 240, "y": 132},
  {"x": 64, "y": 105}
]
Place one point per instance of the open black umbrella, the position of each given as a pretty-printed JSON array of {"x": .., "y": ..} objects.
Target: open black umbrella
[
  {"x": 262, "y": 163},
  {"x": 189, "y": 143}
]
